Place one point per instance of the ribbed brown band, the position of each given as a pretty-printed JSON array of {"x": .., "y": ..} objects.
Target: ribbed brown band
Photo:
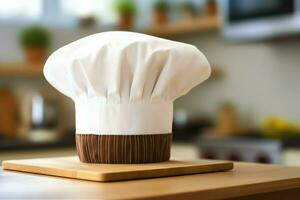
[{"x": 123, "y": 149}]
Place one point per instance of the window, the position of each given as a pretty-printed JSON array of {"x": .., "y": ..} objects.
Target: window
[
  {"x": 56, "y": 12},
  {"x": 30, "y": 9},
  {"x": 100, "y": 9}
]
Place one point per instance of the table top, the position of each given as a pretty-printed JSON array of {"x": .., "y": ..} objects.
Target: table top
[{"x": 244, "y": 179}]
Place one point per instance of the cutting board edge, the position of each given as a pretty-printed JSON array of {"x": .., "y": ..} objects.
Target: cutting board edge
[
  {"x": 11, "y": 166},
  {"x": 217, "y": 166},
  {"x": 169, "y": 172}
]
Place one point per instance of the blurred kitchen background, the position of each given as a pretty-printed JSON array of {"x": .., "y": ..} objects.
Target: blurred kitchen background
[{"x": 249, "y": 109}]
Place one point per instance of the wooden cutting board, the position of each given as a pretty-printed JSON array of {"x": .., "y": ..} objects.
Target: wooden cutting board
[{"x": 71, "y": 167}]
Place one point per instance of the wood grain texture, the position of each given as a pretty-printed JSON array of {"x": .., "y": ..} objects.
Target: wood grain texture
[
  {"x": 71, "y": 167},
  {"x": 245, "y": 180},
  {"x": 123, "y": 149}
]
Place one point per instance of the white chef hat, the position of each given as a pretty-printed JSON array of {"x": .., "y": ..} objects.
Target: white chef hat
[{"x": 124, "y": 83}]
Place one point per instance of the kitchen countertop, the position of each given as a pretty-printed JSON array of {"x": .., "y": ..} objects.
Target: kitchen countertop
[
  {"x": 246, "y": 181},
  {"x": 178, "y": 150}
]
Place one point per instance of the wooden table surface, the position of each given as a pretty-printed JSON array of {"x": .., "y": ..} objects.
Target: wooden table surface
[{"x": 254, "y": 181}]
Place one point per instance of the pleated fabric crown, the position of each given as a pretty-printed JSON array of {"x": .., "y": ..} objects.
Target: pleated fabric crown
[{"x": 124, "y": 83}]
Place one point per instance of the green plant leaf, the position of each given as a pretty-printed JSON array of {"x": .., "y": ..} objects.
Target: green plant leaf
[{"x": 35, "y": 36}]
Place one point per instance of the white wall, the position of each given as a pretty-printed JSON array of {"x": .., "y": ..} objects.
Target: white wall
[{"x": 261, "y": 78}]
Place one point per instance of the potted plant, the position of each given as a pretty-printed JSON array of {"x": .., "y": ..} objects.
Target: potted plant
[
  {"x": 188, "y": 10},
  {"x": 35, "y": 41},
  {"x": 126, "y": 10},
  {"x": 160, "y": 12},
  {"x": 210, "y": 8}
]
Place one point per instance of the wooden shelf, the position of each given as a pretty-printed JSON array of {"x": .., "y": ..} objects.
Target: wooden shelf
[
  {"x": 184, "y": 27},
  {"x": 20, "y": 70}
]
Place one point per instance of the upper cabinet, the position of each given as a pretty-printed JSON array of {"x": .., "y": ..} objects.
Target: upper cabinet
[{"x": 256, "y": 19}]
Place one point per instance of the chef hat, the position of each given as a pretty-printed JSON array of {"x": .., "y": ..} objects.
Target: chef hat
[{"x": 124, "y": 83}]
